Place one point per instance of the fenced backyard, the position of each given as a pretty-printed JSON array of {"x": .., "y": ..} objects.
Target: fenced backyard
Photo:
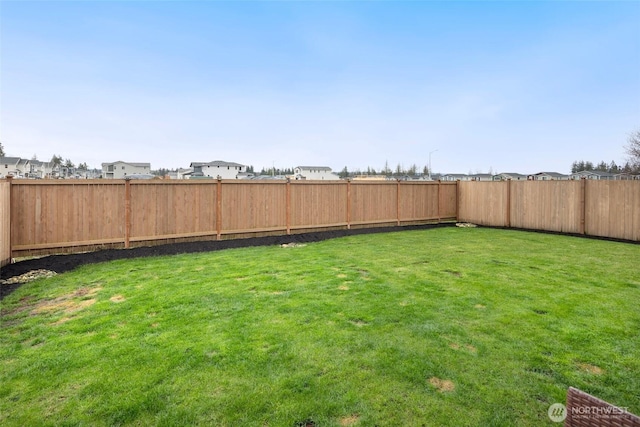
[{"x": 50, "y": 216}]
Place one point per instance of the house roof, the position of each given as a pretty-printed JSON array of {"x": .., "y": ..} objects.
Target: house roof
[
  {"x": 215, "y": 163},
  {"x": 511, "y": 174},
  {"x": 598, "y": 173},
  {"x": 138, "y": 165},
  {"x": 322, "y": 168},
  {"x": 10, "y": 160},
  {"x": 554, "y": 174}
]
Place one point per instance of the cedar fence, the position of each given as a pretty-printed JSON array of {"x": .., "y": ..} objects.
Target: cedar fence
[
  {"x": 590, "y": 207},
  {"x": 52, "y": 216}
]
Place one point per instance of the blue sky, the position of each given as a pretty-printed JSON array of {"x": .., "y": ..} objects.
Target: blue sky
[{"x": 509, "y": 86}]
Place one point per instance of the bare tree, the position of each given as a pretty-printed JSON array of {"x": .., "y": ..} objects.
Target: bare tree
[
  {"x": 1, "y": 150},
  {"x": 633, "y": 149}
]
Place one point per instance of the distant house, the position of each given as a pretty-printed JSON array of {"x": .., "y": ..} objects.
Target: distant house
[
  {"x": 625, "y": 176},
  {"x": 592, "y": 175},
  {"x": 215, "y": 169},
  {"x": 9, "y": 167},
  {"x": 481, "y": 177},
  {"x": 506, "y": 176},
  {"x": 38, "y": 169},
  {"x": 455, "y": 177},
  {"x": 548, "y": 176},
  {"x": 315, "y": 173},
  {"x": 121, "y": 170}
]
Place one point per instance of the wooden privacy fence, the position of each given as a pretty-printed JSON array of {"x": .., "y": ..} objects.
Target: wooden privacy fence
[
  {"x": 590, "y": 207},
  {"x": 65, "y": 215}
]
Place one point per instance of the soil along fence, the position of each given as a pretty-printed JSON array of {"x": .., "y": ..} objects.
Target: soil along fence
[
  {"x": 50, "y": 216},
  {"x": 5, "y": 223},
  {"x": 595, "y": 208}
]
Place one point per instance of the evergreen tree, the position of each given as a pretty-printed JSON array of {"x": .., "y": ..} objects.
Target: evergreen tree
[{"x": 1, "y": 150}]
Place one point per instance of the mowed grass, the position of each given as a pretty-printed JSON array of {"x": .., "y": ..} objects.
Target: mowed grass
[{"x": 448, "y": 327}]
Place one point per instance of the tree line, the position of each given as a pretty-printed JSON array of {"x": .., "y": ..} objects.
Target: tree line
[{"x": 632, "y": 165}]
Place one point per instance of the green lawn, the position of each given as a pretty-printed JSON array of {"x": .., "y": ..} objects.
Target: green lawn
[{"x": 435, "y": 327}]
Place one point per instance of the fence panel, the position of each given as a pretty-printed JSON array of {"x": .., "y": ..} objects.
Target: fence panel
[
  {"x": 483, "y": 203},
  {"x": 612, "y": 209},
  {"x": 448, "y": 200},
  {"x": 317, "y": 204},
  {"x": 161, "y": 210},
  {"x": 253, "y": 207},
  {"x": 5, "y": 223},
  {"x": 374, "y": 202},
  {"x": 419, "y": 201},
  {"x": 547, "y": 205},
  {"x": 55, "y": 214}
]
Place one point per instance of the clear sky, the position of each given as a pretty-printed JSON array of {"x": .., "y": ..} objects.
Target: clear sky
[{"x": 515, "y": 86}]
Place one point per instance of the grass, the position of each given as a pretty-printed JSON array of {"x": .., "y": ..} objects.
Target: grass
[{"x": 436, "y": 327}]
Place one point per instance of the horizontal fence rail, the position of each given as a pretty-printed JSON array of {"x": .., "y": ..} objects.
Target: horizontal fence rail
[
  {"x": 590, "y": 207},
  {"x": 49, "y": 216}
]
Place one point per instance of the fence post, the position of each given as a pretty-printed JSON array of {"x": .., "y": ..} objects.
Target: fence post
[
  {"x": 288, "y": 205},
  {"x": 583, "y": 204},
  {"x": 348, "y": 203},
  {"x": 127, "y": 213},
  {"x": 219, "y": 208},
  {"x": 457, "y": 200},
  {"x": 398, "y": 202},
  {"x": 508, "y": 207},
  {"x": 10, "y": 181},
  {"x": 439, "y": 199}
]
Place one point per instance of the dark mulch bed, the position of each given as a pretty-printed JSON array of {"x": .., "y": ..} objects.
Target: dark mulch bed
[{"x": 63, "y": 263}]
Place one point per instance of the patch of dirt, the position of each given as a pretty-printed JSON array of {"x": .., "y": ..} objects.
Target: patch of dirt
[
  {"x": 67, "y": 303},
  {"x": 591, "y": 369},
  {"x": 350, "y": 420},
  {"x": 454, "y": 346},
  {"x": 443, "y": 386},
  {"x": 480, "y": 306},
  {"x": 453, "y": 272},
  {"x": 63, "y": 263},
  {"x": 117, "y": 299},
  {"x": 343, "y": 288},
  {"x": 358, "y": 322},
  {"x": 471, "y": 348},
  {"x": 341, "y": 276}
]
